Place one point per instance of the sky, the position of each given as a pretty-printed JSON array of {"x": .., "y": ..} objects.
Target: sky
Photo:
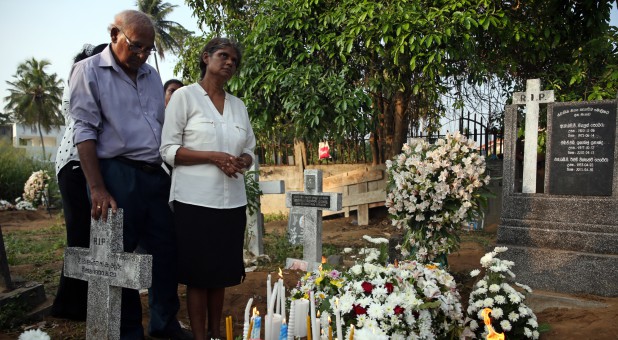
[{"x": 57, "y": 29}]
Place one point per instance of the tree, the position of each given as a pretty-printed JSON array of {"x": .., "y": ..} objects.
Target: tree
[
  {"x": 35, "y": 97},
  {"x": 169, "y": 35}
]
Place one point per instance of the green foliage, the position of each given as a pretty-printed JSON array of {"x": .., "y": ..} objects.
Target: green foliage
[
  {"x": 36, "y": 247},
  {"x": 11, "y": 314},
  {"x": 278, "y": 247},
  {"x": 275, "y": 217},
  {"x": 252, "y": 188},
  {"x": 15, "y": 169}
]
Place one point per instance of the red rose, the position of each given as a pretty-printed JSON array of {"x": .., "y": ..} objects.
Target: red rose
[
  {"x": 389, "y": 287},
  {"x": 399, "y": 310},
  {"x": 359, "y": 310},
  {"x": 367, "y": 287}
]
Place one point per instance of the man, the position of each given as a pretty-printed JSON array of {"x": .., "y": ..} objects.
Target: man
[{"x": 117, "y": 103}]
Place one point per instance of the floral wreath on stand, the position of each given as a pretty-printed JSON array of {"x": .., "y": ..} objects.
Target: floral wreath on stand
[
  {"x": 433, "y": 190},
  {"x": 36, "y": 188}
]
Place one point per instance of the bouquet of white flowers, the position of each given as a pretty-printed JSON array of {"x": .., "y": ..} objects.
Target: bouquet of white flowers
[
  {"x": 35, "y": 189},
  {"x": 433, "y": 190},
  {"x": 508, "y": 311}
]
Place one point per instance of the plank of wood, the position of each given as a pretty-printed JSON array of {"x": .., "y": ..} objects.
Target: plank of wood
[
  {"x": 352, "y": 177},
  {"x": 364, "y": 198}
]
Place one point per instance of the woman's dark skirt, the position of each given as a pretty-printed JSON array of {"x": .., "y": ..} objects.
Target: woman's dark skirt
[{"x": 210, "y": 245}]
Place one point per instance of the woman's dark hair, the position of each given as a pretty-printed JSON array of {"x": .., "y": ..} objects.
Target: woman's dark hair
[
  {"x": 170, "y": 82},
  {"x": 216, "y": 44},
  {"x": 88, "y": 51}
]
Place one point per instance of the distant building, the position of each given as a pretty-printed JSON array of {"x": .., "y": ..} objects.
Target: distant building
[
  {"x": 28, "y": 138},
  {"x": 6, "y": 132}
]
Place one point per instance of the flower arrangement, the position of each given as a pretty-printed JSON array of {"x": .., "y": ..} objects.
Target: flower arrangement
[
  {"x": 408, "y": 300},
  {"x": 509, "y": 313},
  {"x": 6, "y": 205},
  {"x": 325, "y": 282},
  {"x": 34, "y": 334},
  {"x": 35, "y": 189},
  {"x": 433, "y": 190}
]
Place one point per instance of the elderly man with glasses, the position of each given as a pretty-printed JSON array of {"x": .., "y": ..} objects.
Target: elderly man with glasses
[{"x": 117, "y": 103}]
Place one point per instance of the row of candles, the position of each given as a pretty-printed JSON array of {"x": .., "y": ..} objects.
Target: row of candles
[{"x": 303, "y": 320}]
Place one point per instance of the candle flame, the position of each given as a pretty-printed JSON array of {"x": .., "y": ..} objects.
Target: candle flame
[
  {"x": 396, "y": 263},
  {"x": 280, "y": 273},
  {"x": 323, "y": 259},
  {"x": 492, "y": 335},
  {"x": 255, "y": 311}
]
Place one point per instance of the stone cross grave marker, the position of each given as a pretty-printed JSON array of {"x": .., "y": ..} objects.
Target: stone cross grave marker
[
  {"x": 255, "y": 222},
  {"x": 531, "y": 98},
  {"x": 310, "y": 204},
  {"x": 107, "y": 270}
]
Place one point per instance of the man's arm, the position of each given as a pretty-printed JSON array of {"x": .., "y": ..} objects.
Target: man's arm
[{"x": 100, "y": 199}]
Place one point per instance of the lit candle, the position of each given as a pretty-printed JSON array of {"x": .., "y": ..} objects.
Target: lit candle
[
  {"x": 301, "y": 313},
  {"x": 292, "y": 321},
  {"x": 245, "y": 331},
  {"x": 282, "y": 297},
  {"x": 268, "y": 335},
  {"x": 315, "y": 327},
  {"x": 338, "y": 320},
  {"x": 257, "y": 327},
  {"x": 283, "y": 334}
]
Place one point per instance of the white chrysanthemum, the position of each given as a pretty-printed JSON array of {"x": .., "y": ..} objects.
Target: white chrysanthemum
[
  {"x": 494, "y": 288},
  {"x": 500, "y": 299},
  {"x": 34, "y": 335},
  {"x": 527, "y": 332},
  {"x": 487, "y": 260},
  {"x": 532, "y": 322},
  {"x": 488, "y": 302},
  {"x": 513, "y": 316},
  {"x": 506, "y": 326},
  {"x": 475, "y": 272},
  {"x": 497, "y": 312},
  {"x": 356, "y": 269}
]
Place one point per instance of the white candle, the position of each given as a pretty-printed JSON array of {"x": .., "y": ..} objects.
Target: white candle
[
  {"x": 282, "y": 298},
  {"x": 301, "y": 307},
  {"x": 268, "y": 292},
  {"x": 277, "y": 287},
  {"x": 292, "y": 321},
  {"x": 338, "y": 320},
  {"x": 318, "y": 329},
  {"x": 245, "y": 331},
  {"x": 275, "y": 326},
  {"x": 269, "y": 316},
  {"x": 315, "y": 327}
]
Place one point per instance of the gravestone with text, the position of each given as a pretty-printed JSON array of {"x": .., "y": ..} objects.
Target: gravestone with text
[
  {"x": 107, "y": 270},
  {"x": 566, "y": 239},
  {"x": 309, "y": 204}
]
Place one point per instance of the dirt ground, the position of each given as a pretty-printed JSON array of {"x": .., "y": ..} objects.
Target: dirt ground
[{"x": 593, "y": 317}]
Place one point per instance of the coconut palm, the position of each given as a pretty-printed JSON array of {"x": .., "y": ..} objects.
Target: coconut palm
[
  {"x": 35, "y": 97},
  {"x": 169, "y": 34}
]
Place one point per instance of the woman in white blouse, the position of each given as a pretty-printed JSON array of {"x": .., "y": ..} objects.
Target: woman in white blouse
[{"x": 208, "y": 139}]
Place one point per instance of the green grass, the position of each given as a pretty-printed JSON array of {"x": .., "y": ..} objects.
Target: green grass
[
  {"x": 35, "y": 247},
  {"x": 275, "y": 217}
]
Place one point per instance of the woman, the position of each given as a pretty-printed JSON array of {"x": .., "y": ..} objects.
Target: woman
[
  {"x": 70, "y": 301},
  {"x": 208, "y": 139},
  {"x": 169, "y": 87}
]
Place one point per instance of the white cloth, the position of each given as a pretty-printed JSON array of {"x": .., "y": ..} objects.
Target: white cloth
[
  {"x": 66, "y": 151},
  {"x": 193, "y": 122}
]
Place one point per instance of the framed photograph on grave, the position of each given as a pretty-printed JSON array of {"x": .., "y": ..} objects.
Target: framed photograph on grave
[{"x": 581, "y": 147}]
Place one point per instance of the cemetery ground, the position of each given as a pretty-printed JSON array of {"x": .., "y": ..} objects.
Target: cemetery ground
[{"x": 40, "y": 238}]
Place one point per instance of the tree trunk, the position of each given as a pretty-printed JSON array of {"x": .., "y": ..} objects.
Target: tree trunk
[
  {"x": 401, "y": 122},
  {"x": 157, "y": 63},
  {"x": 42, "y": 141}
]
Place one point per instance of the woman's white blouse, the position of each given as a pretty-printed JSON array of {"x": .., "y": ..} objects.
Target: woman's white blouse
[
  {"x": 66, "y": 151},
  {"x": 193, "y": 122}
]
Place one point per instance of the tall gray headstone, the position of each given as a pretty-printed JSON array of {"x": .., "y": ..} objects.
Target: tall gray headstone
[
  {"x": 566, "y": 239},
  {"x": 531, "y": 98},
  {"x": 310, "y": 203},
  {"x": 5, "y": 274},
  {"x": 107, "y": 270}
]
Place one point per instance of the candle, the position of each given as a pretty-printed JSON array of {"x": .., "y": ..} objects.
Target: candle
[
  {"x": 275, "y": 326},
  {"x": 228, "y": 327},
  {"x": 282, "y": 297},
  {"x": 268, "y": 292},
  {"x": 283, "y": 335},
  {"x": 250, "y": 329},
  {"x": 257, "y": 327},
  {"x": 352, "y": 332},
  {"x": 268, "y": 335},
  {"x": 245, "y": 331},
  {"x": 308, "y": 327},
  {"x": 292, "y": 321},
  {"x": 301, "y": 313},
  {"x": 330, "y": 332},
  {"x": 338, "y": 320},
  {"x": 315, "y": 327}
]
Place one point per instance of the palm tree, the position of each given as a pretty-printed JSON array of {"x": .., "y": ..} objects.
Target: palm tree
[
  {"x": 169, "y": 34},
  {"x": 35, "y": 97}
]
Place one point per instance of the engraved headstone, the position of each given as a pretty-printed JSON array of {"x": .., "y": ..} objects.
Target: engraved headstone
[
  {"x": 581, "y": 153},
  {"x": 531, "y": 98},
  {"x": 310, "y": 203},
  {"x": 107, "y": 270}
]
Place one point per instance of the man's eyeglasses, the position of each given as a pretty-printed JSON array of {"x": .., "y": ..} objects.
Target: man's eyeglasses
[{"x": 136, "y": 48}]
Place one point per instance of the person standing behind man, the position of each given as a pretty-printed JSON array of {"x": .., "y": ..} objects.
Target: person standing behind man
[
  {"x": 170, "y": 87},
  {"x": 207, "y": 137},
  {"x": 72, "y": 295},
  {"x": 117, "y": 102}
]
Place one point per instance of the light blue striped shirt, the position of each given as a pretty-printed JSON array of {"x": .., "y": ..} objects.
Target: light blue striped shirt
[{"x": 124, "y": 118}]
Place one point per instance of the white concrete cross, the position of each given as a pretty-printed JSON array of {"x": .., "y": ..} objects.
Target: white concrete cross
[
  {"x": 107, "y": 270},
  {"x": 255, "y": 222},
  {"x": 310, "y": 204},
  {"x": 531, "y": 98}
]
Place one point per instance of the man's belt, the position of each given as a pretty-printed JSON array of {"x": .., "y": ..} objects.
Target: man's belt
[{"x": 141, "y": 165}]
